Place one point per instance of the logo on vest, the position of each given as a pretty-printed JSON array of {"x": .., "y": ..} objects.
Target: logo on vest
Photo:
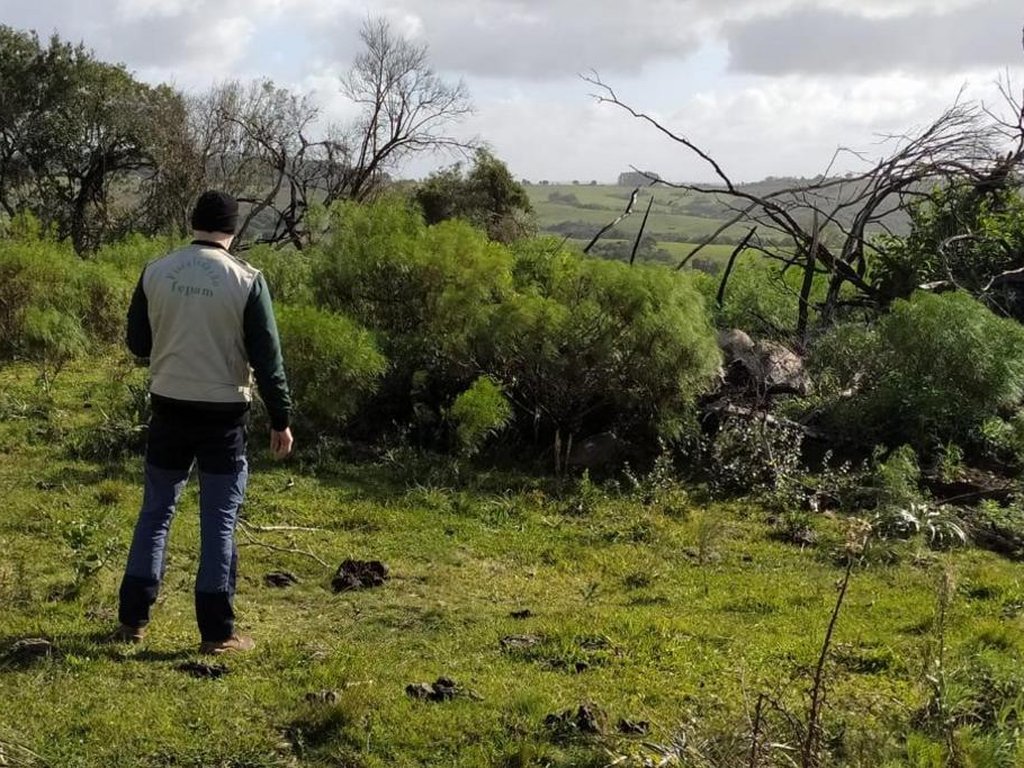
[{"x": 195, "y": 277}]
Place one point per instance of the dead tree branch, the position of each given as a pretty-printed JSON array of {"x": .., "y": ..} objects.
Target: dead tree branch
[
  {"x": 606, "y": 227},
  {"x": 967, "y": 142}
]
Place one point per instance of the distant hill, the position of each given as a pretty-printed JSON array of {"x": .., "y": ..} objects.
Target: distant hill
[{"x": 679, "y": 219}]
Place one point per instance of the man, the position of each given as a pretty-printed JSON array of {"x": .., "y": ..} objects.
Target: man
[{"x": 205, "y": 321}]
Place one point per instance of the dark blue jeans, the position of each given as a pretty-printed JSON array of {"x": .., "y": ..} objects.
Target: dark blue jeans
[{"x": 215, "y": 444}]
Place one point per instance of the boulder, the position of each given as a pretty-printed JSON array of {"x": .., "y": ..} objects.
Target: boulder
[
  {"x": 601, "y": 450},
  {"x": 765, "y": 366}
]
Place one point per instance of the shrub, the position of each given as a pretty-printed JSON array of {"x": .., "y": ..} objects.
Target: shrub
[
  {"x": 123, "y": 406},
  {"x": 53, "y": 340},
  {"x": 590, "y": 345},
  {"x": 332, "y": 363},
  {"x": 101, "y": 302},
  {"x": 479, "y": 412},
  {"x": 896, "y": 478},
  {"x": 129, "y": 255},
  {"x": 582, "y": 345},
  {"x": 957, "y": 233},
  {"x": 751, "y": 456},
  {"x": 288, "y": 273},
  {"x": 758, "y": 298},
  {"x": 40, "y": 280},
  {"x": 425, "y": 290},
  {"x": 933, "y": 370},
  {"x": 486, "y": 195}
]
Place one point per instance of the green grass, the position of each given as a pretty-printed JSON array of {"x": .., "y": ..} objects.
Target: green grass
[{"x": 619, "y": 587}]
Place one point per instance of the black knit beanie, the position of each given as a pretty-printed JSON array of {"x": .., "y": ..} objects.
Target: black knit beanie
[{"x": 215, "y": 212}]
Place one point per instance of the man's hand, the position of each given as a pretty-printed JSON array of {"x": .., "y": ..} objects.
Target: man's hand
[{"x": 280, "y": 442}]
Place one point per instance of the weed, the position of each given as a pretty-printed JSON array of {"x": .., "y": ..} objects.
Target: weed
[
  {"x": 585, "y": 498},
  {"x": 91, "y": 547},
  {"x": 758, "y": 457}
]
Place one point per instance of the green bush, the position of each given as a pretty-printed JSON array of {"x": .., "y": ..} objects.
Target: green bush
[
  {"x": 750, "y": 456},
  {"x": 580, "y": 345},
  {"x": 40, "y": 279},
  {"x": 52, "y": 339},
  {"x": 332, "y": 363},
  {"x": 129, "y": 255},
  {"x": 587, "y": 345},
  {"x": 486, "y": 196},
  {"x": 478, "y": 413},
  {"x": 425, "y": 290},
  {"x": 759, "y": 298},
  {"x": 957, "y": 233},
  {"x": 933, "y": 370},
  {"x": 101, "y": 302},
  {"x": 121, "y": 413},
  {"x": 289, "y": 273}
]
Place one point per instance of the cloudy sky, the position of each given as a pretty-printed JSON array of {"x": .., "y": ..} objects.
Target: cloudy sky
[{"x": 770, "y": 87}]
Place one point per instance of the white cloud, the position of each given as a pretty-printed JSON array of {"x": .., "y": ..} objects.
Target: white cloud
[
  {"x": 521, "y": 58},
  {"x": 818, "y": 39},
  {"x": 793, "y": 125}
]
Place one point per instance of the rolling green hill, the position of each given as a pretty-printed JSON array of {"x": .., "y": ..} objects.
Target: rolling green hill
[{"x": 679, "y": 219}]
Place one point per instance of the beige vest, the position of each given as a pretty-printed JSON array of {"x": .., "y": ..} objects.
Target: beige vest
[{"x": 197, "y": 297}]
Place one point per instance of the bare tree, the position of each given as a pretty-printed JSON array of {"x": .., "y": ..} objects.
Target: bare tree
[
  {"x": 406, "y": 107},
  {"x": 967, "y": 142},
  {"x": 268, "y": 147}
]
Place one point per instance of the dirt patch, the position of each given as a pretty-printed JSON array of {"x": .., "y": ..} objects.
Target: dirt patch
[
  {"x": 360, "y": 574},
  {"x": 586, "y": 719},
  {"x": 634, "y": 727},
  {"x": 442, "y": 689},
  {"x": 27, "y": 650},
  {"x": 281, "y": 579},
  {"x": 202, "y": 670}
]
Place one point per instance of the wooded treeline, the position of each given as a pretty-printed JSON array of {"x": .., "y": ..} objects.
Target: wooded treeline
[{"x": 94, "y": 154}]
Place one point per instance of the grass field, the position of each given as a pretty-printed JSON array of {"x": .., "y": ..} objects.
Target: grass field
[
  {"x": 664, "y": 609},
  {"x": 673, "y": 219}
]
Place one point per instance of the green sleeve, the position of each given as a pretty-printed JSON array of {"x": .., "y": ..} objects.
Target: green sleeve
[
  {"x": 263, "y": 346},
  {"x": 140, "y": 335}
]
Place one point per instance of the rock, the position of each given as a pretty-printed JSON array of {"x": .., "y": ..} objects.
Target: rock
[
  {"x": 735, "y": 343},
  {"x": 783, "y": 370},
  {"x": 202, "y": 670},
  {"x": 766, "y": 366},
  {"x": 360, "y": 574},
  {"x": 280, "y": 579},
  {"x": 29, "y": 649},
  {"x": 600, "y": 450}
]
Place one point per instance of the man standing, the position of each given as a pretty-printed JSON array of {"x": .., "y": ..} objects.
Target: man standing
[{"x": 205, "y": 321}]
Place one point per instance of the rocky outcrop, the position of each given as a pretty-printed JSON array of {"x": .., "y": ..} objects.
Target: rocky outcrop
[{"x": 765, "y": 367}]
